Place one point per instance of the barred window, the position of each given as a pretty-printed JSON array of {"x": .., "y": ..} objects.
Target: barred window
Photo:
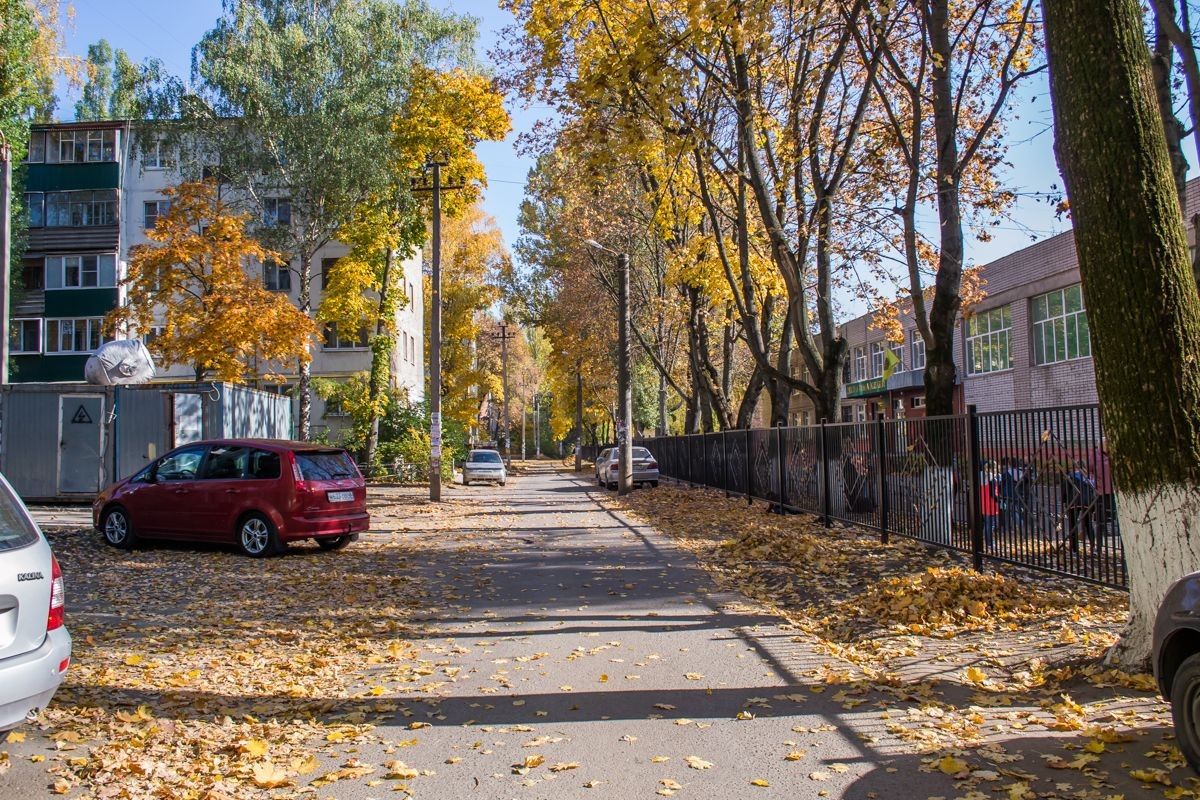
[{"x": 1060, "y": 326}]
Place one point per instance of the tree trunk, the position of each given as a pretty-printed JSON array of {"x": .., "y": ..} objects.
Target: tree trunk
[
  {"x": 381, "y": 361},
  {"x": 754, "y": 388},
  {"x": 1162, "y": 62},
  {"x": 1139, "y": 290},
  {"x": 939, "y": 353},
  {"x": 304, "y": 384}
]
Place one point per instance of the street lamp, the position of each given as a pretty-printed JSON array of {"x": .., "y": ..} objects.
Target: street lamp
[{"x": 624, "y": 395}]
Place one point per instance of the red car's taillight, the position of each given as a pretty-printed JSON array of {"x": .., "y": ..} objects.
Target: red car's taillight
[{"x": 58, "y": 597}]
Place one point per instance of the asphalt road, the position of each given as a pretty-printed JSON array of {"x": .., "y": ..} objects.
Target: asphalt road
[{"x": 593, "y": 641}]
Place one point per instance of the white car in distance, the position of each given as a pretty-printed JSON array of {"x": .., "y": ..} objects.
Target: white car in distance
[
  {"x": 484, "y": 465},
  {"x": 35, "y": 648}
]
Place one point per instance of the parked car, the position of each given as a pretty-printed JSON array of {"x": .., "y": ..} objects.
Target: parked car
[
  {"x": 484, "y": 465},
  {"x": 645, "y": 468},
  {"x": 1177, "y": 661},
  {"x": 259, "y": 494},
  {"x": 35, "y": 648}
]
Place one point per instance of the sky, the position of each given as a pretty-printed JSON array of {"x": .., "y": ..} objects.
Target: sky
[{"x": 167, "y": 31}]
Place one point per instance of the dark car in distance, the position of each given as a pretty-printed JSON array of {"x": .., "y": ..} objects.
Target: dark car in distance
[
  {"x": 1176, "y": 658},
  {"x": 259, "y": 494}
]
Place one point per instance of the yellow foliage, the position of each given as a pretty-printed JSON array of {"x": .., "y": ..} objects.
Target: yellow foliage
[{"x": 200, "y": 281}]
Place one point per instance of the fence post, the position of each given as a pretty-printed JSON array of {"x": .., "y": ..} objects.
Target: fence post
[
  {"x": 973, "y": 481},
  {"x": 749, "y": 472},
  {"x": 881, "y": 473},
  {"x": 825, "y": 475},
  {"x": 725, "y": 462},
  {"x": 779, "y": 463}
]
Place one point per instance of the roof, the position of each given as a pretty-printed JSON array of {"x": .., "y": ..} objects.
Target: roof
[{"x": 277, "y": 444}]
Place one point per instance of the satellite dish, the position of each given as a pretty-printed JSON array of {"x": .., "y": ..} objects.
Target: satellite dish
[{"x": 124, "y": 361}]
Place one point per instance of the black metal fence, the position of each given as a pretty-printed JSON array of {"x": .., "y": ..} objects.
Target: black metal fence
[{"x": 1025, "y": 487}]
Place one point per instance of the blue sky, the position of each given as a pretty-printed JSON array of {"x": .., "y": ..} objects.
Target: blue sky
[{"x": 168, "y": 31}]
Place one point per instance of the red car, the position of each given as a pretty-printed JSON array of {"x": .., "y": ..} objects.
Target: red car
[{"x": 257, "y": 493}]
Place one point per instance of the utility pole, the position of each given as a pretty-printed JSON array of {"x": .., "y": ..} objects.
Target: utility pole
[
  {"x": 579, "y": 415},
  {"x": 5, "y": 251},
  {"x": 434, "y": 165},
  {"x": 504, "y": 336},
  {"x": 625, "y": 397},
  {"x": 537, "y": 425}
]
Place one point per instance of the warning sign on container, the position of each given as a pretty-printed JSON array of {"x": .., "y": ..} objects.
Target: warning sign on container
[{"x": 81, "y": 417}]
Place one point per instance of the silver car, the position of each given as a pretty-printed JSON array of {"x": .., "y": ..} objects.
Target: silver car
[
  {"x": 35, "y": 648},
  {"x": 484, "y": 465},
  {"x": 645, "y": 467}
]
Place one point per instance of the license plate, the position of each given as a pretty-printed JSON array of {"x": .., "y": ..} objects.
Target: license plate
[{"x": 340, "y": 497}]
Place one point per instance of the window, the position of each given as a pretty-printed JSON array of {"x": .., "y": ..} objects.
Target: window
[
  {"x": 898, "y": 355},
  {"x": 334, "y": 408},
  {"x": 182, "y": 465},
  {"x": 340, "y": 341},
  {"x": 37, "y": 147},
  {"x": 987, "y": 341},
  {"x": 860, "y": 412},
  {"x": 846, "y": 371},
  {"x": 877, "y": 349},
  {"x": 1060, "y": 326},
  {"x": 33, "y": 275},
  {"x": 277, "y": 277},
  {"x": 404, "y": 352},
  {"x": 74, "y": 335},
  {"x": 225, "y": 462},
  {"x": 325, "y": 465},
  {"x": 78, "y": 272},
  {"x": 847, "y": 414},
  {"x": 153, "y": 209},
  {"x": 860, "y": 363},
  {"x": 158, "y": 156},
  {"x": 25, "y": 336},
  {"x": 81, "y": 209},
  {"x": 77, "y": 146},
  {"x": 327, "y": 265},
  {"x": 35, "y": 209},
  {"x": 918, "y": 401},
  {"x": 277, "y": 211},
  {"x": 917, "y": 347},
  {"x": 264, "y": 465},
  {"x": 152, "y": 333}
]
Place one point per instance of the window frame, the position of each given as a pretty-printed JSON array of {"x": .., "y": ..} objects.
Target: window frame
[
  {"x": 93, "y": 330},
  {"x": 271, "y": 216},
  {"x": 34, "y": 200},
  {"x": 83, "y": 204},
  {"x": 362, "y": 342},
  {"x": 275, "y": 269},
  {"x": 161, "y": 208},
  {"x": 81, "y": 267},
  {"x": 988, "y": 350},
  {"x": 916, "y": 344},
  {"x": 35, "y": 136},
  {"x": 878, "y": 358},
  {"x": 1060, "y": 323},
  {"x": 15, "y": 343},
  {"x": 860, "y": 363}
]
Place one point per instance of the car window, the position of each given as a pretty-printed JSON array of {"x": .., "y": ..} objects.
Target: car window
[
  {"x": 15, "y": 529},
  {"x": 641, "y": 452},
  {"x": 264, "y": 465},
  {"x": 225, "y": 462},
  {"x": 325, "y": 465},
  {"x": 181, "y": 465},
  {"x": 603, "y": 455},
  {"x": 484, "y": 457}
]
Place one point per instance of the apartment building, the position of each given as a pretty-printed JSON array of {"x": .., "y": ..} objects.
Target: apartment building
[
  {"x": 1027, "y": 344},
  {"x": 93, "y": 192}
]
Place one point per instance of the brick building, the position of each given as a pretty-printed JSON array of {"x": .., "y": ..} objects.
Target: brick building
[{"x": 1025, "y": 345}]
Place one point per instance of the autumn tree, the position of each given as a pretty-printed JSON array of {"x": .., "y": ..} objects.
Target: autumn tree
[
  {"x": 473, "y": 254},
  {"x": 1140, "y": 292},
  {"x": 295, "y": 102},
  {"x": 949, "y": 68},
  {"x": 449, "y": 112},
  {"x": 200, "y": 282}
]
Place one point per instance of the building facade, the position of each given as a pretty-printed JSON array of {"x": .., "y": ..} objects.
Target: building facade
[
  {"x": 93, "y": 193},
  {"x": 1026, "y": 345}
]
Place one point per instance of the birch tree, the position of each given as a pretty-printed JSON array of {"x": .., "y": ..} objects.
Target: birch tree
[{"x": 1140, "y": 292}]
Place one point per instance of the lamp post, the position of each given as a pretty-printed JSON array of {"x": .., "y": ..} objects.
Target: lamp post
[
  {"x": 579, "y": 415},
  {"x": 624, "y": 393}
]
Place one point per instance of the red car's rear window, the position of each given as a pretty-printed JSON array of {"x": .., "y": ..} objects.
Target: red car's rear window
[{"x": 326, "y": 465}]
